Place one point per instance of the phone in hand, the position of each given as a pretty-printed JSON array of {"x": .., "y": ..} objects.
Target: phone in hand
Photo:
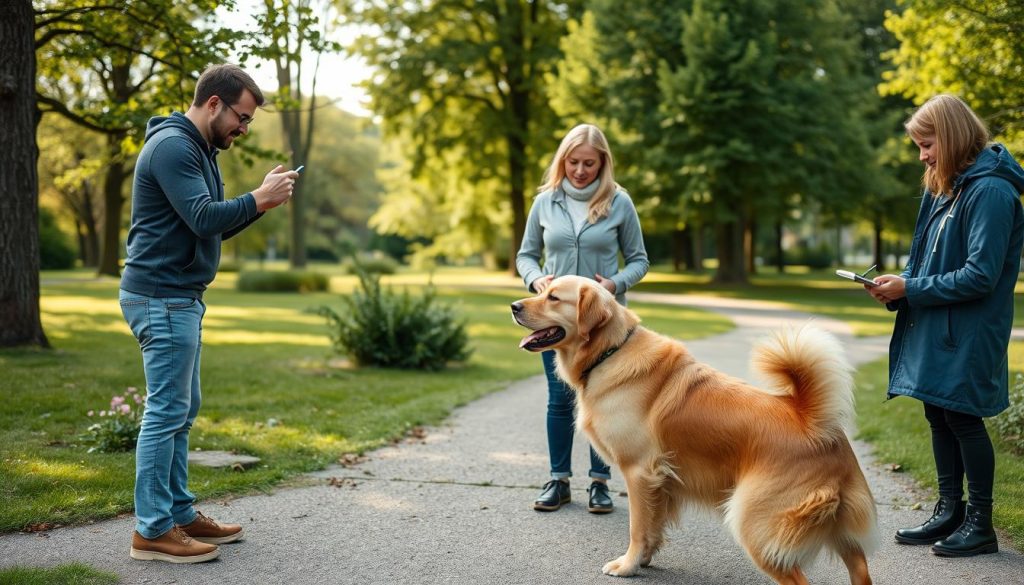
[
  {"x": 856, "y": 277},
  {"x": 299, "y": 170}
]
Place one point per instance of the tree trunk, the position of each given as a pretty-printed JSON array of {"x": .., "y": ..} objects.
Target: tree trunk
[
  {"x": 731, "y": 261},
  {"x": 780, "y": 259},
  {"x": 749, "y": 245},
  {"x": 879, "y": 252},
  {"x": 113, "y": 203},
  {"x": 697, "y": 236},
  {"x": 20, "y": 322},
  {"x": 91, "y": 236}
]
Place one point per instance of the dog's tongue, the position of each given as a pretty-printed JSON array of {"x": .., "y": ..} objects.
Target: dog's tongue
[{"x": 535, "y": 336}]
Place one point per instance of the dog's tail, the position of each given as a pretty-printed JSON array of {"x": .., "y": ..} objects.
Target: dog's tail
[{"x": 809, "y": 365}]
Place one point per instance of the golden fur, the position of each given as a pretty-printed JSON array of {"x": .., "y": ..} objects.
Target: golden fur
[{"x": 776, "y": 463}]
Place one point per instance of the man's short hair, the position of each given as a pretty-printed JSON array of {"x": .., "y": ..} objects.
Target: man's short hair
[{"x": 228, "y": 82}]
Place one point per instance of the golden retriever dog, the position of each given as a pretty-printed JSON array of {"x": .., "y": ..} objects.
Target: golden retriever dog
[{"x": 775, "y": 462}]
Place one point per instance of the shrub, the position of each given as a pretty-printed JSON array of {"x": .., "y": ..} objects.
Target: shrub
[
  {"x": 374, "y": 263},
  {"x": 229, "y": 266},
  {"x": 381, "y": 328},
  {"x": 819, "y": 256},
  {"x": 1010, "y": 423},
  {"x": 282, "y": 281},
  {"x": 55, "y": 249},
  {"x": 118, "y": 428}
]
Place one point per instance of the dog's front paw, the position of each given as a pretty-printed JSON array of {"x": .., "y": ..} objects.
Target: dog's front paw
[{"x": 621, "y": 567}]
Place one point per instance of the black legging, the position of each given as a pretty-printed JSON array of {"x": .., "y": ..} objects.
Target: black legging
[{"x": 961, "y": 445}]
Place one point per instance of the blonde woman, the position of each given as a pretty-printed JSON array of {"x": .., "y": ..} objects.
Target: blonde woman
[
  {"x": 580, "y": 223},
  {"x": 955, "y": 309}
]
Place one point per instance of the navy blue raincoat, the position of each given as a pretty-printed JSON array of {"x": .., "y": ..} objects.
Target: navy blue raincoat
[{"x": 952, "y": 329}]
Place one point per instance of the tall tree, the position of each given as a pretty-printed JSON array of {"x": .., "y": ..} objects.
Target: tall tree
[
  {"x": 286, "y": 32},
  {"x": 19, "y": 198},
  {"x": 108, "y": 68},
  {"x": 763, "y": 114},
  {"x": 463, "y": 82}
]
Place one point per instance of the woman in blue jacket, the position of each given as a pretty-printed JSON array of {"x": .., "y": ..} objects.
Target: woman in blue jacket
[
  {"x": 580, "y": 223},
  {"x": 955, "y": 310}
]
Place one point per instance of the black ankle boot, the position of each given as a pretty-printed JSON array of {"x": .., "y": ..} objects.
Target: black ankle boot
[
  {"x": 946, "y": 518},
  {"x": 600, "y": 502},
  {"x": 556, "y": 493},
  {"x": 974, "y": 537}
]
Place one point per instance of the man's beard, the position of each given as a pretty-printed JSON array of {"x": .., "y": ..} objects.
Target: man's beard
[{"x": 220, "y": 141}]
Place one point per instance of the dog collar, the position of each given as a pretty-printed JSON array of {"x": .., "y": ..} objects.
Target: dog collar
[{"x": 607, "y": 354}]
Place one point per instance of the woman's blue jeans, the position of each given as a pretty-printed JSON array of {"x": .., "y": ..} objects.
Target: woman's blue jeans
[
  {"x": 562, "y": 424},
  {"x": 169, "y": 332}
]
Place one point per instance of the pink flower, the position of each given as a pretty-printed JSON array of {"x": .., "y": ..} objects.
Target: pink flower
[
  {"x": 103, "y": 413},
  {"x": 138, "y": 399},
  {"x": 125, "y": 409},
  {"x": 90, "y": 413},
  {"x": 116, "y": 401},
  {"x": 132, "y": 390}
]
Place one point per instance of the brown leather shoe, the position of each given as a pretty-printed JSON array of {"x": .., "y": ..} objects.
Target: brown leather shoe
[
  {"x": 173, "y": 546},
  {"x": 205, "y": 529}
]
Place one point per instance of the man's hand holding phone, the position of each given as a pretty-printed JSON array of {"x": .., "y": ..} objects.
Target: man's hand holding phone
[{"x": 276, "y": 189}]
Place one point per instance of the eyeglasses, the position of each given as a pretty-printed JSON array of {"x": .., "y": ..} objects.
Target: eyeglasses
[{"x": 243, "y": 119}]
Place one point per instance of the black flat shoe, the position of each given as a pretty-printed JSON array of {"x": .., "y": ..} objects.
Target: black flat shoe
[
  {"x": 555, "y": 495},
  {"x": 600, "y": 501}
]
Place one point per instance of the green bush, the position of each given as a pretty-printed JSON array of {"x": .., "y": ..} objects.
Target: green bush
[
  {"x": 117, "y": 429},
  {"x": 282, "y": 281},
  {"x": 229, "y": 266},
  {"x": 381, "y": 328},
  {"x": 55, "y": 249},
  {"x": 1010, "y": 423},
  {"x": 374, "y": 263},
  {"x": 819, "y": 256}
]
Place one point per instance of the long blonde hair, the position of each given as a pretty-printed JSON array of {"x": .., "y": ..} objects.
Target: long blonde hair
[
  {"x": 590, "y": 135},
  {"x": 959, "y": 136}
]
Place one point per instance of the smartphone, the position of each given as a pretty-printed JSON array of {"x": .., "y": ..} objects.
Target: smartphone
[
  {"x": 856, "y": 277},
  {"x": 299, "y": 170}
]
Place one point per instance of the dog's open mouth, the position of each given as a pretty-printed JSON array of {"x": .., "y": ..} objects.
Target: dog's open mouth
[{"x": 542, "y": 338}]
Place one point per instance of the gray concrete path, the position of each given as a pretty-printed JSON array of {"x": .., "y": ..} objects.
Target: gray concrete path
[{"x": 455, "y": 507}]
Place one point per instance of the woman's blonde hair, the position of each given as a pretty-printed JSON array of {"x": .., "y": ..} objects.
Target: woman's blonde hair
[
  {"x": 590, "y": 135},
  {"x": 959, "y": 136}
]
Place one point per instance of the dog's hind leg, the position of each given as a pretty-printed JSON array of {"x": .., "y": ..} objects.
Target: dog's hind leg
[{"x": 857, "y": 565}]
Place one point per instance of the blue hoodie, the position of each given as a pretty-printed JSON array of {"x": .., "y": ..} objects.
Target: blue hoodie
[
  {"x": 179, "y": 215},
  {"x": 949, "y": 343}
]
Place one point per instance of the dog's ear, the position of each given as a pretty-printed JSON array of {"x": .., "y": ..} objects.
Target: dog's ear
[{"x": 591, "y": 312}]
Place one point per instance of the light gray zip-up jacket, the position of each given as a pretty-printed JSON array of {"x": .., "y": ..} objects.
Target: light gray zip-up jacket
[{"x": 594, "y": 250}]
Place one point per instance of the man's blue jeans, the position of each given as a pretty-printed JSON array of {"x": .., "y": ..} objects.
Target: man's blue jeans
[
  {"x": 562, "y": 424},
  {"x": 169, "y": 332}
]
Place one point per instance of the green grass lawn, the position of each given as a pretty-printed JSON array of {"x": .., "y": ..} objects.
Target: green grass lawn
[
  {"x": 71, "y": 574},
  {"x": 271, "y": 388}
]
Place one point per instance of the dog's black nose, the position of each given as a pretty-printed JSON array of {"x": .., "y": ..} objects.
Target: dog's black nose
[{"x": 517, "y": 306}]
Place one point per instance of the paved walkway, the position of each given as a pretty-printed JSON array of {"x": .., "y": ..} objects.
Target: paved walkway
[{"x": 455, "y": 507}]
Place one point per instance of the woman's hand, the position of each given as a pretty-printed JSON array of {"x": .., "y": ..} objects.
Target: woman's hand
[
  {"x": 890, "y": 288},
  {"x": 605, "y": 282},
  {"x": 542, "y": 283}
]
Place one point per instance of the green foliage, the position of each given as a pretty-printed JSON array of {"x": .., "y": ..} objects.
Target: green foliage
[
  {"x": 282, "y": 281},
  {"x": 1010, "y": 423},
  {"x": 378, "y": 327},
  {"x": 970, "y": 48},
  {"x": 460, "y": 89},
  {"x": 116, "y": 429},
  {"x": 373, "y": 263},
  {"x": 55, "y": 249}
]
